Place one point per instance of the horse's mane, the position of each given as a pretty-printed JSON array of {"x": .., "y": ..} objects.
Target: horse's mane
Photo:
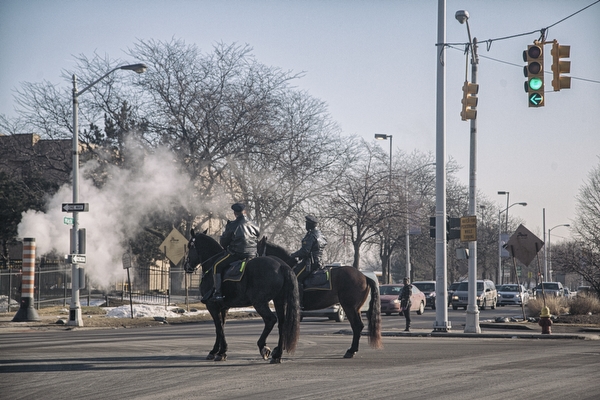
[
  {"x": 279, "y": 248},
  {"x": 208, "y": 241}
]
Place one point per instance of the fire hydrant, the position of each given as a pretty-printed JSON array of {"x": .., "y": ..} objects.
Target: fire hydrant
[{"x": 545, "y": 321}]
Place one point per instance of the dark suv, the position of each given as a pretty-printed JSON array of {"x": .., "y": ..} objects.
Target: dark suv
[
  {"x": 427, "y": 287},
  {"x": 487, "y": 296}
]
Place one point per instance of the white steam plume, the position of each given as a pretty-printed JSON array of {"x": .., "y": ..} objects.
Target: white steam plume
[{"x": 117, "y": 211}]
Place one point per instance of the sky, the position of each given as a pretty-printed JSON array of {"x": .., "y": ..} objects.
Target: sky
[{"x": 374, "y": 64}]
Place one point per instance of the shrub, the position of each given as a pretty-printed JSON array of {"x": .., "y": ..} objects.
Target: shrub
[
  {"x": 557, "y": 305},
  {"x": 582, "y": 305}
]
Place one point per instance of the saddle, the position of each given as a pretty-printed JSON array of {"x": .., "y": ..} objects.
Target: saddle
[
  {"x": 318, "y": 280},
  {"x": 235, "y": 271}
]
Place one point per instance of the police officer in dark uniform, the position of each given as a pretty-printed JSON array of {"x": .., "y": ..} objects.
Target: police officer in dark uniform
[
  {"x": 405, "y": 301},
  {"x": 311, "y": 252},
  {"x": 239, "y": 239}
]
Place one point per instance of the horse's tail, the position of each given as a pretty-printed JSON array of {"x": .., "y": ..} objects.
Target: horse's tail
[
  {"x": 291, "y": 323},
  {"x": 374, "y": 316}
]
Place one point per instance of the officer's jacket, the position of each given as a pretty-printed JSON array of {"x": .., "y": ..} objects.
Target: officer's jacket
[
  {"x": 240, "y": 237},
  {"x": 312, "y": 248}
]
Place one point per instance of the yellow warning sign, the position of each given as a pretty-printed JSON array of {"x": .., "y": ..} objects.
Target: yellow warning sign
[
  {"x": 174, "y": 246},
  {"x": 468, "y": 229}
]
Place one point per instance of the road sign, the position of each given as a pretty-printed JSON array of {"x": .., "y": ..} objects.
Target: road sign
[
  {"x": 76, "y": 259},
  {"x": 174, "y": 246},
  {"x": 70, "y": 207},
  {"x": 68, "y": 220},
  {"x": 126, "y": 260},
  {"x": 524, "y": 245},
  {"x": 468, "y": 229}
]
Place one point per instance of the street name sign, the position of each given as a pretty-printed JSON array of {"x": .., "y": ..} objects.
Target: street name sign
[
  {"x": 70, "y": 207},
  {"x": 468, "y": 229},
  {"x": 76, "y": 259}
]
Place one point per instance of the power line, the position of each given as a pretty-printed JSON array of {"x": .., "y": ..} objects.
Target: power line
[
  {"x": 521, "y": 65},
  {"x": 543, "y": 31}
]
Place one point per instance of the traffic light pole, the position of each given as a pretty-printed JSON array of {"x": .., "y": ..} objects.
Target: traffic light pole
[{"x": 472, "y": 321}]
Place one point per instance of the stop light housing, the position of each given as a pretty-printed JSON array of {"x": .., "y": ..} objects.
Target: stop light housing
[
  {"x": 534, "y": 72},
  {"x": 469, "y": 101},
  {"x": 560, "y": 67}
]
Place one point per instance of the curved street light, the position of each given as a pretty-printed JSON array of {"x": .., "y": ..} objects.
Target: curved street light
[
  {"x": 387, "y": 274},
  {"x": 500, "y": 269},
  {"x": 549, "y": 271},
  {"x": 76, "y": 272}
]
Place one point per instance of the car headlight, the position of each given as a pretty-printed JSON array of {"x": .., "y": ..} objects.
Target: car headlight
[
  {"x": 396, "y": 301},
  {"x": 454, "y": 297}
]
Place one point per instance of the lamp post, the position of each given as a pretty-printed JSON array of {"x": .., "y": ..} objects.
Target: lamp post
[
  {"x": 75, "y": 308},
  {"x": 500, "y": 269},
  {"x": 408, "y": 264},
  {"x": 502, "y": 192},
  {"x": 387, "y": 248},
  {"x": 548, "y": 271}
]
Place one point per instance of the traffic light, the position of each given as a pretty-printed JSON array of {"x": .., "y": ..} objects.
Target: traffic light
[
  {"x": 452, "y": 228},
  {"x": 560, "y": 67},
  {"x": 534, "y": 72},
  {"x": 469, "y": 101}
]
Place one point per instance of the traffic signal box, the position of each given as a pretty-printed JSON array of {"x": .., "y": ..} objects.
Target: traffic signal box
[
  {"x": 469, "y": 101},
  {"x": 452, "y": 228},
  {"x": 534, "y": 72},
  {"x": 559, "y": 67}
]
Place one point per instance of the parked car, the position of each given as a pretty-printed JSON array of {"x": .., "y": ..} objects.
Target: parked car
[
  {"x": 428, "y": 288},
  {"x": 451, "y": 289},
  {"x": 512, "y": 294},
  {"x": 336, "y": 312},
  {"x": 567, "y": 293},
  {"x": 553, "y": 289},
  {"x": 486, "y": 293},
  {"x": 585, "y": 291},
  {"x": 391, "y": 304}
]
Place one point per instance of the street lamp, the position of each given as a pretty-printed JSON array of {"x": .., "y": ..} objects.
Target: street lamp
[
  {"x": 387, "y": 248},
  {"x": 549, "y": 270},
  {"x": 500, "y": 269},
  {"x": 408, "y": 265},
  {"x": 472, "y": 321},
  {"x": 75, "y": 308}
]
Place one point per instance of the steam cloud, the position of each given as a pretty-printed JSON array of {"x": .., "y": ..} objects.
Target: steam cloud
[{"x": 117, "y": 211}]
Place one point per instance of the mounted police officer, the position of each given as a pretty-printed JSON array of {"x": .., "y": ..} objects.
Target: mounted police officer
[
  {"x": 239, "y": 239},
  {"x": 310, "y": 254}
]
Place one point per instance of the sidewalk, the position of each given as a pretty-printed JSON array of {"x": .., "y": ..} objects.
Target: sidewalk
[{"x": 507, "y": 331}]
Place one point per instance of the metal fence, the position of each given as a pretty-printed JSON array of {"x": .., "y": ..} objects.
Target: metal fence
[{"x": 152, "y": 285}]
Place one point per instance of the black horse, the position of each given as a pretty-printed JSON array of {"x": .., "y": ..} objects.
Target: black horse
[
  {"x": 349, "y": 287},
  {"x": 264, "y": 279}
]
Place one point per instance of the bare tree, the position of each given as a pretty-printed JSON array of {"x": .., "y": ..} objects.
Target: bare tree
[{"x": 582, "y": 255}]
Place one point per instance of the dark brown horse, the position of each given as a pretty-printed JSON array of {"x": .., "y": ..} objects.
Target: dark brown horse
[
  {"x": 350, "y": 288},
  {"x": 264, "y": 279}
]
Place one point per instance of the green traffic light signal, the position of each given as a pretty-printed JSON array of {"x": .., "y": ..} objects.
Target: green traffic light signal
[{"x": 535, "y": 83}]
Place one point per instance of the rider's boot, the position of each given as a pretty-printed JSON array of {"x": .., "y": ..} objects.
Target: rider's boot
[{"x": 218, "y": 297}]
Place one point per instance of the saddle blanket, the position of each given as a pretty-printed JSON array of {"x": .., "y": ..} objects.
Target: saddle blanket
[
  {"x": 318, "y": 280},
  {"x": 235, "y": 271}
]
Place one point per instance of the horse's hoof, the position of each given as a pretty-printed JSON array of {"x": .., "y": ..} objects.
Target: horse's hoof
[
  {"x": 349, "y": 354},
  {"x": 276, "y": 361},
  {"x": 265, "y": 352},
  {"x": 221, "y": 357},
  {"x": 210, "y": 356}
]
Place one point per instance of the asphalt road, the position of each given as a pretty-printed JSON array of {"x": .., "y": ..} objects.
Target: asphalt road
[{"x": 168, "y": 362}]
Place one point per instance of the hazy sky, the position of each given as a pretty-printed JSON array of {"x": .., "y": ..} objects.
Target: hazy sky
[{"x": 374, "y": 64}]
